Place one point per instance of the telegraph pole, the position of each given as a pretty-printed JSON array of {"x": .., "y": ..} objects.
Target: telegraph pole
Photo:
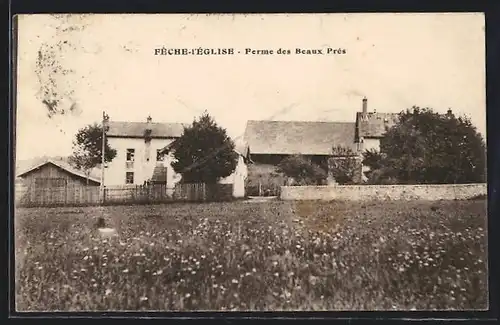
[{"x": 103, "y": 159}]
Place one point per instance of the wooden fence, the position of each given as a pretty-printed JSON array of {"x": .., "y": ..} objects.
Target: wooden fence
[{"x": 77, "y": 195}]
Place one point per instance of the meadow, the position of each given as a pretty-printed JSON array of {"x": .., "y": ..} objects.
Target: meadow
[{"x": 254, "y": 256}]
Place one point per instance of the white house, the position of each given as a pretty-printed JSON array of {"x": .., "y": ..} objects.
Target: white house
[
  {"x": 240, "y": 174},
  {"x": 137, "y": 146},
  {"x": 141, "y": 155}
]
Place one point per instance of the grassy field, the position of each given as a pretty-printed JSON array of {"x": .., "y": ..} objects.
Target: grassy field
[{"x": 255, "y": 256}]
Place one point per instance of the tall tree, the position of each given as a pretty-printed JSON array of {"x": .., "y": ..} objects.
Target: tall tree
[
  {"x": 427, "y": 147},
  {"x": 87, "y": 149},
  {"x": 204, "y": 153}
]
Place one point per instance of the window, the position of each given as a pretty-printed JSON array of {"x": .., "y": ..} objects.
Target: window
[
  {"x": 129, "y": 178},
  {"x": 130, "y": 154},
  {"x": 159, "y": 156}
]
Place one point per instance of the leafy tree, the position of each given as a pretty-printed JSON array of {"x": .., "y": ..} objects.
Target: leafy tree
[
  {"x": 302, "y": 170},
  {"x": 204, "y": 153},
  {"x": 427, "y": 147},
  {"x": 344, "y": 165},
  {"x": 87, "y": 149}
]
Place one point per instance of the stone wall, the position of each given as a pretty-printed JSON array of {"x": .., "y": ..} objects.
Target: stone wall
[{"x": 383, "y": 192}]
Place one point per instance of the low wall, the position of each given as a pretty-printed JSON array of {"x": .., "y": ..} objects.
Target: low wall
[{"x": 383, "y": 192}]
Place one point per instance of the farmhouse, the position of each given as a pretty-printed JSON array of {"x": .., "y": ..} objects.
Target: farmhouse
[
  {"x": 371, "y": 126},
  {"x": 138, "y": 158},
  {"x": 270, "y": 142},
  {"x": 143, "y": 155}
]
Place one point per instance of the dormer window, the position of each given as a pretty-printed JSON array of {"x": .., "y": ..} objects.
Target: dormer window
[{"x": 159, "y": 155}]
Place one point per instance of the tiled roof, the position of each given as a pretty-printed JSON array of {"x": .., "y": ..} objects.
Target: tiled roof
[
  {"x": 137, "y": 129},
  {"x": 298, "y": 137},
  {"x": 374, "y": 125},
  {"x": 28, "y": 166}
]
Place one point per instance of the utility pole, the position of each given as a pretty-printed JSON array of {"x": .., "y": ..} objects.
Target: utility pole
[{"x": 105, "y": 119}]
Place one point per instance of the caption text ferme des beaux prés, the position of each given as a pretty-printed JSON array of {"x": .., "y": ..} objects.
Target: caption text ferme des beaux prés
[{"x": 248, "y": 51}]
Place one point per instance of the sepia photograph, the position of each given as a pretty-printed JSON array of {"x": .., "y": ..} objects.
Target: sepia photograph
[{"x": 250, "y": 162}]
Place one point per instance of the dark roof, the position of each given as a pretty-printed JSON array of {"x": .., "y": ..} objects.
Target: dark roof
[
  {"x": 298, "y": 137},
  {"x": 137, "y": 129},
  {"x": 373, "y": 125},
  {"x": 64, "y": 165},
  {"x": 159, "y": 174}
]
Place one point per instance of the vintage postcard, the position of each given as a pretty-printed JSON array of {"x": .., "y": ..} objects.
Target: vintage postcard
[{"x": 250, "y": 162}]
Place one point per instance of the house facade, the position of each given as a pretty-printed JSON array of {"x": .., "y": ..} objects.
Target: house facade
[
  {"x": 371, "y": 126},
  {"x": 144, "y": 155},
  {"x": 138, "y": 158}
]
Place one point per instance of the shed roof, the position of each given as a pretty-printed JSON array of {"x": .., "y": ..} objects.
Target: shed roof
[
  {"x": 39, "y": 162},
  {"x": 298, "y": 137}
]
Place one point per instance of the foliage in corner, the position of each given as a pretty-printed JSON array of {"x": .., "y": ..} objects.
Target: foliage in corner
[{"x": 426, "y": 147}]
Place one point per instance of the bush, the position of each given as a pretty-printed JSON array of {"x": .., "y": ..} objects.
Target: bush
[{"x": 302, "y": 170}]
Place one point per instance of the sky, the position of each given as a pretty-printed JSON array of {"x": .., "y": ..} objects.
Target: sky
[{"x": 395, "y": 60}]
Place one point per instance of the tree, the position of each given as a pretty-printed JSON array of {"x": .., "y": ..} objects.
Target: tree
[
  {"x": 302, "y": 170},
  {"x": 87, "y": 149},
  {"x": 344, "y": 165},
  {"x": 204, "y": 153},
  {"x": 427, "y": 147}
]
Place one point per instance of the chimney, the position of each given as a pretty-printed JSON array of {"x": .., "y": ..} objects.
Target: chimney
[
  {"x": 365, "y": 105},
  {"x": 147, "y": 132}
]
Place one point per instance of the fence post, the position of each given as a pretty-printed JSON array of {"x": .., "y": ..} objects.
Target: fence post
[{"x": 104, "y": 193}]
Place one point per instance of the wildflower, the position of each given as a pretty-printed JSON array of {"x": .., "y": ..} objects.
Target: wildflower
[
  {"x": 143, "y": 298},
  {"x": 254, "y": 270},
  {"x": 125, "y": 271},
  {"x": 234, "y": 281},
  {"x": 188, "y": 295}
]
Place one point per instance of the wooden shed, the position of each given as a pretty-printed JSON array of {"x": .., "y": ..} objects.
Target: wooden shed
[
  {"x": 51, "y": 173},
  {"x": 53, "y": 182}
]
